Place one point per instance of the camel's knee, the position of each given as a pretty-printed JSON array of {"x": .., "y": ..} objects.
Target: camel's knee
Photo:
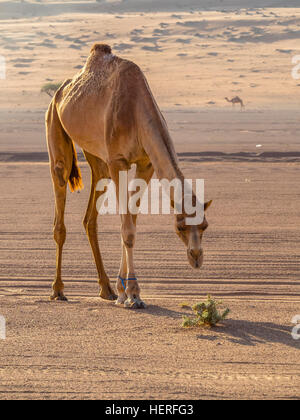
[
  {"x": 129, "y": 237},
  {"x": 60, "y": 233}
]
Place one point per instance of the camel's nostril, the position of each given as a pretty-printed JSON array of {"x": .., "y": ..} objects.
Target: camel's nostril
[{"x": 195, "y": 254}]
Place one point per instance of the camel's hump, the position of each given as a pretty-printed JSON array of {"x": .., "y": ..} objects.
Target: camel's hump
[{"x": 101, "y": 48}]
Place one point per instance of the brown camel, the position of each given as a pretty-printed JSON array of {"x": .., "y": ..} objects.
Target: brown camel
[
  {"x": 109, "y": 111},
  {"x": 236, "y": 100}
]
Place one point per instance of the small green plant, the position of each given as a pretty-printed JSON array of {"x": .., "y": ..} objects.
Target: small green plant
[
  {"x": 50, "y": 88},
  {"x": 185, "y": 305},
  {"x": 206, "y": 314}
]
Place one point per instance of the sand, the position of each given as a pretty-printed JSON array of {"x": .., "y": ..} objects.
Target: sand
[{"x": 88, "y": 348}]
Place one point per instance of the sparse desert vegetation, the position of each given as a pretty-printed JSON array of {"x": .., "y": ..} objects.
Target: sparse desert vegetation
[
  {"x": 206, "y": 314},
  {"x": 50, "y": 88}
]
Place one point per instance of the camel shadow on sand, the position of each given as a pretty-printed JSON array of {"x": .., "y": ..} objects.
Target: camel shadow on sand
[
  {"x": 242, "y": 332},
  {"x": 156, "y": 310},
  {"x": 250, "y": 333}
]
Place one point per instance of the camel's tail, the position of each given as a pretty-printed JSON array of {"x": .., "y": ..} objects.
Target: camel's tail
[
  {"x": 61, "y": 150},
  {"x": 75, "y": 179}
]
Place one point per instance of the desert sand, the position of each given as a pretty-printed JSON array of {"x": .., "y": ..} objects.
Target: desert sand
[{"x": 193, "y": 58}]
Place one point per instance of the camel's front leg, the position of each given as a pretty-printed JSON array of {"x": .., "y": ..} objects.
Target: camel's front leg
[
  {"x": 133, "y": 288},
  {"x": 144, "y": 171},
  {"x": 128, "y": 287},
  {"x": 122, "y": 278}
]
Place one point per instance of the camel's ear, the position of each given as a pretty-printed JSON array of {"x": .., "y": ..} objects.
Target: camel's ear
[
  {"x": 207, "y": 205},
  {"x": 180, "y": 219}
]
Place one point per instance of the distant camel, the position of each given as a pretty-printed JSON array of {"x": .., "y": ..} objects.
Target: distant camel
[
  {"x": 236, "y": 100},
  {"x": 109, "y": 111}
]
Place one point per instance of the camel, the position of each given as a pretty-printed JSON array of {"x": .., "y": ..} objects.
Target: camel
[
  {"x": 108, "y": 110},
  {"x": 236, "y": 100}
]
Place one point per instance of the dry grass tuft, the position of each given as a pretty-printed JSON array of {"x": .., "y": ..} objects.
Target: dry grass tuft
[{"x": 206, "y": 314}]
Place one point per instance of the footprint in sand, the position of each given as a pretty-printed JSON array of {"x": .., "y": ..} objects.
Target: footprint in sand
[
  {"x": 183, "y": 41},
  {"x": 20, "y": 66},
  {"x": 153, "y": 49},
  {"x": 200, "y": 35},
  {"x": 162, "y": 32},
  {"x": 136, "y": 32},
  {"x": 47, "y": 44},
  {"x": 75, "y": 47},
  {"x": 144, "y": 40},
  {"x": 110, "y": 36},
  {"x": 40, "y": 33},
  {"x": 284, "y": 51},
  {"x": 123, "y": 47},
  {"x": 23, "y": 60}
]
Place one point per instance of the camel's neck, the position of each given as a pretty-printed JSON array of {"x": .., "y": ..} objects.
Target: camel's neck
[{"x": 159, "y": 147}]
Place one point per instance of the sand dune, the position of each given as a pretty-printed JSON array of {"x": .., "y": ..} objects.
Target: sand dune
[
  {"x": 212, "y": 44},
  {"x": 45, "y": 8}
]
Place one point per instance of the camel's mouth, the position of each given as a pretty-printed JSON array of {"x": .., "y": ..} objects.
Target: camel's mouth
[{"x": 195, "y": 260}]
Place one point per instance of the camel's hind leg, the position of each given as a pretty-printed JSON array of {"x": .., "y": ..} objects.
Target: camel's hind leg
[
  {"x": 60, "y": 238},
  {"x": 63, "y": 164},
  {"x": 99, "y": 170}
]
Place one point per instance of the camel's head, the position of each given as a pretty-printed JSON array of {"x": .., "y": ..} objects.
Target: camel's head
[{"x": 191, "y": 236}]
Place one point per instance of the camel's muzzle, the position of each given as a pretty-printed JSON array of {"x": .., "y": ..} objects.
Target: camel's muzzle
[{"x": 195, "y": 258}]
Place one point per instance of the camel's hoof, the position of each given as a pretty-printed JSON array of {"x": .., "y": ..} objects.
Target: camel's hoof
[
  {"x": 134, "y": 304},
  {"x": 142, "y": 305},
  {"x": 59, "y": 296},
  {"x": 120, "y": 301},
  {"x": 112, "y": 297},
  {"x": 128, "y": 304},
  {"x": 107, "y": 293}
]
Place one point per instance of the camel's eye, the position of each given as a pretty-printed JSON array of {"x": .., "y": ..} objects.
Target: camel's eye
[{"x": 181, "y": 228}]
